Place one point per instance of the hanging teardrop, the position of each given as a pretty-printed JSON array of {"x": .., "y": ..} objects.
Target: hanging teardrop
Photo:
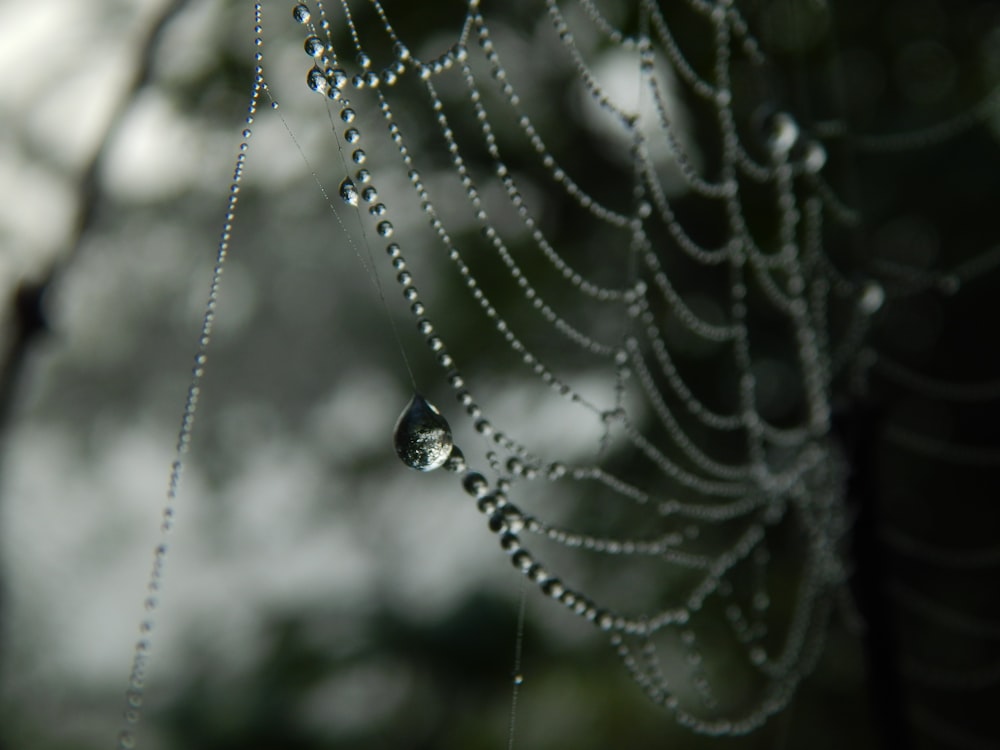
[{"x": 422, "y": 436}]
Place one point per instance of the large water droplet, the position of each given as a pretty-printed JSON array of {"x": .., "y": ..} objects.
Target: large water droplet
[
  {"x": 338, "y": 78},
  {"x": 314, "y": 46},
  {"x": 348, "y": 192},
  {"x": 301, "y": 13},
  {"x": 316, "y": 80},
  {"x": 422, "y": 436}
]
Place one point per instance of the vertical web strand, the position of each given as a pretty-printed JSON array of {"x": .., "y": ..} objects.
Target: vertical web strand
[
  {"x": 517, "y": 677},
  {"x": 135, "y": 695}
]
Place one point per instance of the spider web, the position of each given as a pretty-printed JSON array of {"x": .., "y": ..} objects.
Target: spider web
[{"x": 684, "y": 318}]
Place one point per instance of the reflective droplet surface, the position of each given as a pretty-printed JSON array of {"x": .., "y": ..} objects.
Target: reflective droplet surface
[
  {"x": 314, "y": 46},
  {"x": 422, "y": 437},
  {"x": 316, "y": 80},
  {"x": 301, "y": 13},
  {"x": 338, "y": 78},
  {"x": 784, "y": 132},
  {"x": 348, "y": 192},
  {"x": 872, "y": 297},
  {"x": 401, "y": 51},
  {"x": 815, "y": 158}
]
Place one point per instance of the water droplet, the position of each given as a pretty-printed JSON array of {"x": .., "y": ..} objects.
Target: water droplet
[
  {"x": 384, "y": 229},
  {"x": 553, "y": 587},
  {"x": 364, "y": 61},
  {"x": 872, "y": 298},
  {"x": 348, "y": 115},
  {"x": 348, "y": 192},
  {"x": 316, "y": 80},
  {"x": 301, "y": 13},
  {"x": 422, "y": 436},
  {"x": 475, "y": 484},
  {"x": 338, "y": 78},
  {"x": 518, "y": 679},
  {"x": 314, "y": 46},
  {"x": 370, "y": 194},
  {"x": 456, "y": 460},
  {"x": 352, "y": 135},
  {"x": 815, "y": 158},
  {"x": 364, "y": 176},
  {"x": 783, "y": 132},
  {"x": 359, "y": 156},
  {"x": 401, "y": 51}
]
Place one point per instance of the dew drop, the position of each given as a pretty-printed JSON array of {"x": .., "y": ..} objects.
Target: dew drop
[
  {"x": 348, "y": 192},
  {"x": 422, "y": 436},
  {"x": 348, "y": 115},
  {"x": 815, "y": 158},
  {"x": 338, "y": 77},
  {"x": 456, "y": 460},
  {"x": 784, "y": 132},
  {"x": 401, "y": 51},
  {"x": 352, "y": 135},
  {"x": 872, "y": 297},
  {"x": 359, "y": 156},
  {"x": 301, "y": 13},
  {"x": 384, "y": 229},
  {"x": 518, "y": 679},
  {"x": 314, "y": 46},
  {"x": 475, "y": 484},
  {"x": 316, "y": 80}
]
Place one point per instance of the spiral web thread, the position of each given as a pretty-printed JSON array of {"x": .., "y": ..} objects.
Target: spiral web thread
[
  {"x": 775, "y": 476},
  {"x": 690, "y": 486},
  {"x": 719, "y": 484}
]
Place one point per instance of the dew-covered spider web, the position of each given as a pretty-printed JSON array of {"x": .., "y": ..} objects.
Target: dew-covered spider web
[{"x": 680, "y": 323}]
